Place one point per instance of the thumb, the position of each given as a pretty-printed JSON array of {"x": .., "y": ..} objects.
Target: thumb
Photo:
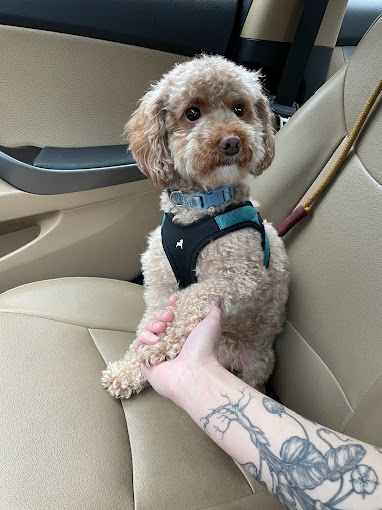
[
  {"x": 212, "y": 321},
  {"x": 204, "y": 338}
]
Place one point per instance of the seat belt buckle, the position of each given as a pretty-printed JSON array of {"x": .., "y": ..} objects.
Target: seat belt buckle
[{"x": 283, "y": 113}]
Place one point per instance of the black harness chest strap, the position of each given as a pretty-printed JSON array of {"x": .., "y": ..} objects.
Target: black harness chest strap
[{"x": 183, "y": 243}]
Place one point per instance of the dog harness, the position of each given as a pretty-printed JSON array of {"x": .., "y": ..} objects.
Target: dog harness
[{"x": 183, "y": 243}]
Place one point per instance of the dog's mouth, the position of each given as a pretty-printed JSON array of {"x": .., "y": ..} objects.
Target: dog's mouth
[
  {"x": 228, "y": 161},
  {"x": 241, "y": 159},
  {"x": 219, "y": 169}
]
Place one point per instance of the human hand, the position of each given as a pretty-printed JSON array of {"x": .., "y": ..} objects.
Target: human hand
[{"x": 198, "y": 355}]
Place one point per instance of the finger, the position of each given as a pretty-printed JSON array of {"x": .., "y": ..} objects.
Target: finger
[
  {"x": 173, "y": 300},
  {"x": 204, "y": 338},
  {"x": 165, "y": 316},
  {"x": 156, "y": 326},
  {"x": 148, "y": 371},
  {"x": 145, "y": 338},
  {"x": 145, "y": 370},
  {"x": 214, "y": 315},
  {"x": 217, "y": 301}
]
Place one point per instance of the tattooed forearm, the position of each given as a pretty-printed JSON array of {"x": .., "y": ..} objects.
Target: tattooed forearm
[{"x": 312, "y": 458}]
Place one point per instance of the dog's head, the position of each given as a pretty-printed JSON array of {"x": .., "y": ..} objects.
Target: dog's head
[{"x": 206, "y": 122}]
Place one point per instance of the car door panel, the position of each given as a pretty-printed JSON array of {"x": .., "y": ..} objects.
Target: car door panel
[
  {"x": 60, "y": 90},
  {"x": 57, "y": 179},
  {"x": 99, "y": 232},
  {"x": 63, "y": 90}
]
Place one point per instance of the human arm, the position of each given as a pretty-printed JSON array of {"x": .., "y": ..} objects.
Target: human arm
[{"x": 306, "y": 466}]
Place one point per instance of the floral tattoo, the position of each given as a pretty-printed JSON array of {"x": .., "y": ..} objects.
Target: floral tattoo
[{"x": 300, "y": 466}]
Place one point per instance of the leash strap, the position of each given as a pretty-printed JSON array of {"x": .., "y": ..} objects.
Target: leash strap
[{"x": 304, "y": 209}]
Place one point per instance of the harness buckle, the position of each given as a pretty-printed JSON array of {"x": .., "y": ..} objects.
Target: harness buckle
[{"x": 183, "y": 200}]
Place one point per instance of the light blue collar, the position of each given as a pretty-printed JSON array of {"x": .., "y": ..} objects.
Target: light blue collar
[{"x": 212, "y": 198}]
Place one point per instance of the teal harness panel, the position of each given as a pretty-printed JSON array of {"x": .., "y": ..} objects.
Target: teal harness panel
[
  {"x": 244, "y": 213},
  {"x": 183, "y": 243},
  {"x": 240, "y": 215}
]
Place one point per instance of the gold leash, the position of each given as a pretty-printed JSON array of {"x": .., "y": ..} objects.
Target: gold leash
[{"x": 305, "y": 208}]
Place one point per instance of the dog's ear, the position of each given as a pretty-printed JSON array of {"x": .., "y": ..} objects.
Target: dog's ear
[
  {"x": 146, "y": 135},
  {"x": 269, "y": 134}
]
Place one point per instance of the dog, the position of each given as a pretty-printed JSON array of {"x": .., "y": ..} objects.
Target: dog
[{"x": 198, "y": 133}]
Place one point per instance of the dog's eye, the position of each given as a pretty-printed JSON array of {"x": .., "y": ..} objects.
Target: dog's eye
[
  {"x": 238, "y": 110},
  {"x": 193, "y": 113}
]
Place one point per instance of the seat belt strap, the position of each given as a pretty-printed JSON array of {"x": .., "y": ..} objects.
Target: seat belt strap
[{"x": 298, "y": 57}]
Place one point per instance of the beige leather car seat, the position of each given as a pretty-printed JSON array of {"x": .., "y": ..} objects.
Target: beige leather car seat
[{"x": 68, "y": 445}]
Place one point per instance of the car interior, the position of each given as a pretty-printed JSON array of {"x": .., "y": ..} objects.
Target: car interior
[{"x": 75, "y": 212}]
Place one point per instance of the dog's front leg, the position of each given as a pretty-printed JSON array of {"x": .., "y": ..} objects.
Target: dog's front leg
[
  {"x": 192, "y": 307},
  {"x": 124, "y": 377}
]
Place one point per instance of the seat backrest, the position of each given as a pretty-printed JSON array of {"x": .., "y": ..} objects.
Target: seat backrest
[{"x": 329, "y": 357}]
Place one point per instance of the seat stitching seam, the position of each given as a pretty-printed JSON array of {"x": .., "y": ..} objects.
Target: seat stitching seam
[
  {"x": 344, "y": 135},
  {"x": 114, "y": 281},
  {"x": 353, "y": 152},
  {"x": 65, "y": 322},
  {"x": 124, "y": 415},
  {"x": 321, "y": 173},
  {"x": 323, "y": 362},
  {"x": 343, "y": 96},
  {"x": 245, "y": 474},
  {"x": 236, "y": 499},
  {"x": 364, "y": 395}
]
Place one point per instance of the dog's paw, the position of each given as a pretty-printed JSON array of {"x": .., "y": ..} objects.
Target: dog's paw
[
  {"x": 117, "y": 385},
  {"x": 151, "y": 355}
]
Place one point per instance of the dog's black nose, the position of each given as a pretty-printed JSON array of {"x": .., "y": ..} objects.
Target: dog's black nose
[{"x": 230, "y": 145}]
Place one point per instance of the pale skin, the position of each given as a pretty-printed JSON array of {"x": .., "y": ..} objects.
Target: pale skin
[{"x": 305, "y": 465}]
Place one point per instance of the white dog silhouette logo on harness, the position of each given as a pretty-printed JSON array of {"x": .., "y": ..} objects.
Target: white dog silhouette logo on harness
[{"x": 179, "y": 244}]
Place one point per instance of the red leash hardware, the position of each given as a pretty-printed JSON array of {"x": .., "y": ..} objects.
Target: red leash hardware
[{"x": 291, "y": 220}]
